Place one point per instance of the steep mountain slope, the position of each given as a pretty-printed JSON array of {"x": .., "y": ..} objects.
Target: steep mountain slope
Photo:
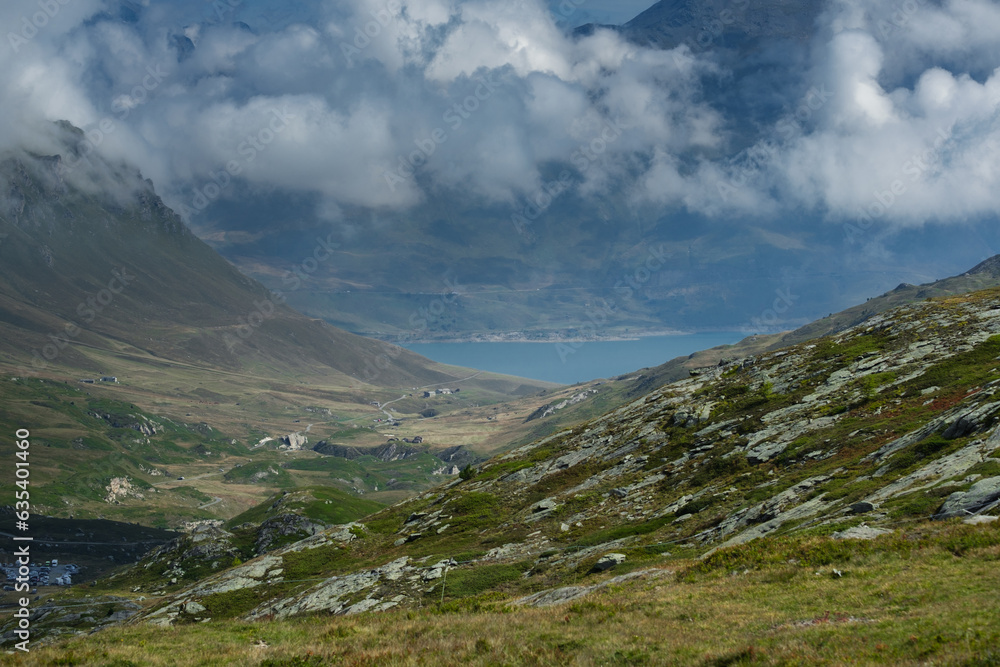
[
  {"x": 856, "y": 434},
  {"x": 134, "y": 354},
  {"x": 122, "y": 272},
  {"x": 670, "y": 23},
  {"x": 984, "y": 275}
]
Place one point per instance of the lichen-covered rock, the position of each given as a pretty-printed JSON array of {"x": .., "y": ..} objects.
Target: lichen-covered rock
[
  {"x": 972, "y": 421},
  {"x": 962, "y": 503},
  {"x": 608, "y": 561},
  {"x": 861, "y": 532}
]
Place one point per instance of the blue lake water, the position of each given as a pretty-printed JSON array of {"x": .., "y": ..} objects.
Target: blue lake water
[{"x": 569, "y": 363}]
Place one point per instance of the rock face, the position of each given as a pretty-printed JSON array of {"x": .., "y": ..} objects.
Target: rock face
[
  {"x": 972, "y": 421},
  {"x": 552, "y": 408},
  {"x": 565, "y": 594},
  {"x": 765, "y": 451},
  {"x": 281, "y": 526},
  {"x": 982, "y": 494},
  {"x": 293, "y": 442}
]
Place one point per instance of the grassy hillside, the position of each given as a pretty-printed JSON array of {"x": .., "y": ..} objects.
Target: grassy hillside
[
  {"x": 926, "y": 596},
  {"x": 829, "y": 502},
  {"x": 319, "y": 503}
]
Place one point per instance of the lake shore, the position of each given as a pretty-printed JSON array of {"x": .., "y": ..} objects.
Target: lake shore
[
  {"x": 537, "y": 337},
  {"x": 571, "y": 361}
]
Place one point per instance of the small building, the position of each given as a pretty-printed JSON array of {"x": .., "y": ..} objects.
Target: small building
[{"x": 109, "y": 378}]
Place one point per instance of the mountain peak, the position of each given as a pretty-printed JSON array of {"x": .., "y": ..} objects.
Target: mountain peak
[{"x": 990, "y": 266}]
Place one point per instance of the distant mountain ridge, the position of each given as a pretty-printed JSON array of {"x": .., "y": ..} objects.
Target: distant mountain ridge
[
  {"x": 990, "y": 267},
  {"x": 984, "y": 275},
  {"x": 715, "y": 23},
  {"x": 122, "y": 271}
]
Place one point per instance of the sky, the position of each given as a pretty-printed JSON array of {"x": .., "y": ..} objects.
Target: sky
[{"x": 892, "y": 116}]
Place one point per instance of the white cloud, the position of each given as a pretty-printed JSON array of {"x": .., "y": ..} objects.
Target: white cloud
[{"x": 368, "y": 82}]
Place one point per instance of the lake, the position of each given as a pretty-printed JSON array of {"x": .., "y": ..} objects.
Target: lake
[{"x": 569, "y": 363}]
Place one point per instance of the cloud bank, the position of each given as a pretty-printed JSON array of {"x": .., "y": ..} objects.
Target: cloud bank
[{"x": 383, "y": 104}]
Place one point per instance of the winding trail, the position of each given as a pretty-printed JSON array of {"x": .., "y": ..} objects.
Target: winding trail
[
  {"x": 441, "y": 384},
  {"x": 386, "y": 412},
  {"x": 216, "y": 500}
]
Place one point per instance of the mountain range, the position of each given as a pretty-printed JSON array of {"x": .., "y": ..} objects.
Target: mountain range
[{"x": 227, "y": 438}]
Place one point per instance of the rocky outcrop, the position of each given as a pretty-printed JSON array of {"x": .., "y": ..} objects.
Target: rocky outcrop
[
  {"x": 120, "y": 489},
  {"x": 555, "y": 596},
  {"x": 277, "y": 528},
  {"x": 390, "y": 451},
  {"x": 341, "y": 451},
  {"x": 971, "y": 421},
  {"x": 552, "y": 408},
  {"x": 459, "y": 456},
  {"x": 139, "y": 423},
  {"x": 861, "y": 532},
  {"x": 293, "y": 442},
  {"x": 455, "y": 458},
  {"x": 607, "y": 562},
  {"x": 983, "y": 494}
]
